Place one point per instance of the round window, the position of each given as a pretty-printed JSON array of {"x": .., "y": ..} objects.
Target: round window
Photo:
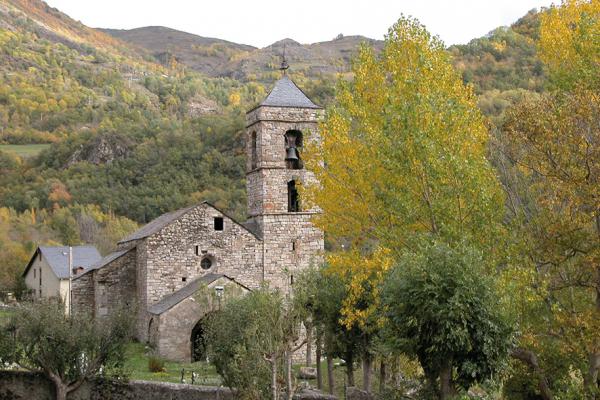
[{"x": 206, "y": 263}]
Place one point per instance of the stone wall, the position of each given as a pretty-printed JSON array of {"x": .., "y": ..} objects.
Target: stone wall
[
  {"x": 82, "y": 293},
  {"x": 172, "y": 262},
  {"x": 115, "y": 285},
  {"x": 16, "y": 385},
  {"x": 174, "y": 326},
  {"x": 266, "y": 183},
  {"x": 290, "y": 241},
  {"x": 169, "y": 259}
]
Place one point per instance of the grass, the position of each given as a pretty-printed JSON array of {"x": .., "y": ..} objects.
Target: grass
[
  {"x": 137, "y": 355},
  {"x": 5, "y": 314},
  {"x": 339, "y": 378},
  {"x": 24, "y": 150}
]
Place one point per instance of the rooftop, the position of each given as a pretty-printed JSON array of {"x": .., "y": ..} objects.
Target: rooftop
[
  {"x": 285, "y": 93},
  {"x": 58, "y": 258}
]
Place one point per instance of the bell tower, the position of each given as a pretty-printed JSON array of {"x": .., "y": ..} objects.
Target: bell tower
[{"x": 276, "y": 132}]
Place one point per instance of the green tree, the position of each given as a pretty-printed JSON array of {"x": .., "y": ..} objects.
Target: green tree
[
  {"x": 443, "y": 308},
  {"x": 67, "y": 349},
  {"x": 261, "y": 333}
]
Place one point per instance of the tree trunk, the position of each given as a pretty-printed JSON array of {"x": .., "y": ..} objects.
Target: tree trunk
[
  {"x": 274, "y": 390},
  {"x": 446, "y": 387},
  {"x": 330, "y": 379},
  {"x": 590, "y": 380},
  {"x": 529, "y": 358},
  {"x": 288, "y": 375},
  {"x": 350, "y": 369},
  {"x": 367, "y": 364},
  {"x": 309, "y": 330},
  {"x": 318, "y": 356},
  {"x": 382, "y": 376},
  {"x": 61, "y": 391}
]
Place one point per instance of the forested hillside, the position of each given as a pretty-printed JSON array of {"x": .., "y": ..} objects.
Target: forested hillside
[{"x": 138, "y": 129}]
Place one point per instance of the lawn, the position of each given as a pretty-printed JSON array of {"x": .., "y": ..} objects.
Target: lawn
[
  {"x": 136, "y": 364},
  {"x": 5, "y": 314},
  {"x": 24, "y": 150},
  {"x": 137, "y": 356}
]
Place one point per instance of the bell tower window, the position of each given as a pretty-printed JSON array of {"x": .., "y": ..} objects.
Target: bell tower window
[
  {"x": 293, "y": 198},
  {"x": 254, "y": 150},
  {"x": 293, "y": 143}
]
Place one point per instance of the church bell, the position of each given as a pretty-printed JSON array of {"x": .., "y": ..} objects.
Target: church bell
[{"x": 291, "y": 154}]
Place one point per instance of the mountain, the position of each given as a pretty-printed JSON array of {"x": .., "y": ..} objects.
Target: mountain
[
  {"x": 220, "y": 58},
  {"x": 503, "y": 65},
  {"x": 207, "y": 55},
  {"x": 145, "y": 121}
]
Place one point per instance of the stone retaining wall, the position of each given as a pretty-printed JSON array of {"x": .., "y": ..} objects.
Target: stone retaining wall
[{"x": 20, "y": 385}]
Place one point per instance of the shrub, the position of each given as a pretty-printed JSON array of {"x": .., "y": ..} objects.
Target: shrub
[{"x": 156, "y": 364}]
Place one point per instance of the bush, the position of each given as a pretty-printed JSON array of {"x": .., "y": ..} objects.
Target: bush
[{"x": 156, "y": 364}]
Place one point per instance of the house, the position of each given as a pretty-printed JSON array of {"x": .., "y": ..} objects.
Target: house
[{"x": 47, "y": 274}]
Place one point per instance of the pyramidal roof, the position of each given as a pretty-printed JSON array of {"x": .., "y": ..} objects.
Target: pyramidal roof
[{"x": 285, "y": 93}]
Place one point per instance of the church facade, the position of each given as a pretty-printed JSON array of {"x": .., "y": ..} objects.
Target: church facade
[{"x": 159, "y": 270}]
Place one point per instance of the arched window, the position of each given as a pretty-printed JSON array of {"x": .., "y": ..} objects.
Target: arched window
[
  {"x": 293, "y": 198},
  {"x": 293, "y": 145},
  {"x": 254, "y": 155}
]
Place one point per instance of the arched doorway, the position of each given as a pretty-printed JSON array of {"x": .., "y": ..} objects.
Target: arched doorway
[{"x": 198, "y": 341}]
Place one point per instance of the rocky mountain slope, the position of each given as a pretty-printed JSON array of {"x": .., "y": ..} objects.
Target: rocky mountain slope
[{"x": 220, "y": 58}]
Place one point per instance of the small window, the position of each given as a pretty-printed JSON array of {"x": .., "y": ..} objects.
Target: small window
[
  {"x": 293, "y": 198},
  {"x": 183, "y": 279},
  {"x": 293, "y": 245},
  {"x": 218, "y": 224},
  {"x": 206, "y": 263},
  {"x": 291, "y": 279},
  {"x": 197, "y": 250},
  {"x": 34, "y": 270},
  {"x": 254, "y": 150}
]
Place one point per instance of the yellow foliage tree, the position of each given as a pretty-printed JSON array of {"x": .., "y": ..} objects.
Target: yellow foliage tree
[
  {"x": 554, "y": 142},
  {"x": 402, "y": 157}
]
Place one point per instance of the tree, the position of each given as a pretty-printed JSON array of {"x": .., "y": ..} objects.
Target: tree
[
  {"x": 442, "y": 308},
  {"x": 67, "y": 349},
  {"x": 403, "y": 155},
  {"x": 261, "y": 330},
  {"x": 553, "y": 142},
  {"x": 322, "y": 292}
]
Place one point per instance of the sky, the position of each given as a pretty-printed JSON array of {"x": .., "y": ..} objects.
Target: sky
[{"x": 262, "y": 22}]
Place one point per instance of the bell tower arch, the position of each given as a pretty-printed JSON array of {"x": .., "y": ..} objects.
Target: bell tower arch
[{"x": 276, "y": 131}]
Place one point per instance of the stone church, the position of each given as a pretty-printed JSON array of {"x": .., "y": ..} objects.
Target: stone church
[{"x": 159, "y": 270}]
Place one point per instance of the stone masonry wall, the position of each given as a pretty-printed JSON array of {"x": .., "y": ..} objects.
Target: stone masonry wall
[
  {"x": 173, "y": 340},
  {"x": 290, "y": 241},
  {"x": 115, "y": 285},
  {"x": 82, "y": 294},
  {"x": 170, "y": 261},
  {"x": 264, "y": 183},
  {"x": 20, "y": 385}
]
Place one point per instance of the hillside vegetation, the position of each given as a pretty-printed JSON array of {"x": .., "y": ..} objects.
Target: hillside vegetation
[{"x": 140, "y": 126}]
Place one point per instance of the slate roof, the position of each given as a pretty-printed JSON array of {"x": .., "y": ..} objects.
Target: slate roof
[
  {"x": 58, "y": 258},
  {"x": 105, "y": 261},
  {"x": 178, "y": 296},
  {"x": 285, "y": 93},
  {"x": 156, "y": 225}
]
